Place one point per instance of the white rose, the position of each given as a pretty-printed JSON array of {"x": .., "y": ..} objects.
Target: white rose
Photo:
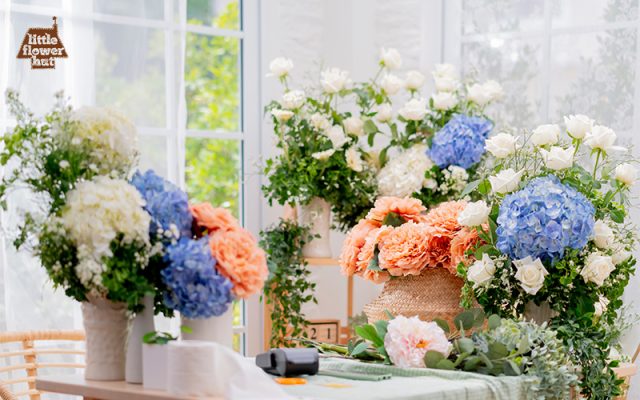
[
  {"x": 626, "y": 174},
  {"x": 474, "y": 214},
  {"x": 353, "y": 159},
  {"x": 444, "y": 101},
  {"x": 280, "y": 67},
  {"x": 598, "y": 268},
  {"x": 414, "y": 109},
  {"x": 578, "y": 125},
  {"x": 603, "y": 235},
  {"x": 505, "y": 181},
  {"x": 602, "y": 138},
  {"x": 481, "y": 271},
  {"x": 282, "y": 115},
  {"x": 445, "y": 70},
  {"x": 476, "y": 93},
  {"x": 601, "y": 306},
  {"x": 354, "y": 126},
  {"x": 619, "y": 254},
  {"x": 334, "y": 80},
  {"x": 293, "y": 99},
  {"x": 337, "y": 136},
  {"x": 446, "y": 83},
  {"x": 391, "y": 84},
  {"x": 501, "y": 145},
  {"x": 494, "y": 90},
  {"x": 545, "y": 134},
  {"x": 384, "y": 112},
  {"x": 390, "y": 58},
  {"x": 530, "y": 274},
  {"x": 320, "y": 122},
  {"x": 323, "y": 155},
  {"x": 557, "y": 158},
  {"x": 414, "y": 80}
]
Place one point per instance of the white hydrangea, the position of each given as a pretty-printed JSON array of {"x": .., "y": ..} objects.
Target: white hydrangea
[
  {"x": 96, "y": 213},
  {"x": 455, "y": 179},
  {"x": 109, "y": 136},
  {"x": 405, "y": 174}
]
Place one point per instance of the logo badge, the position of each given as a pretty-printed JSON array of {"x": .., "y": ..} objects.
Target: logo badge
[{"x": 42, "y": 46}]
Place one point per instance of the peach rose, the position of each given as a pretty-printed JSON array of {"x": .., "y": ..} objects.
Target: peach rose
[
  {"x": 408, "y": 208},
  {"x": 446, "y": 215},
  {"x": 464, "y": 240},
  {"x": 368, "y": 249},
  {"x": 353, "y": 243},
  {"x": 240, "y": 260},
  {"x": 405, "y": 251},
  {"x": 211, "y": 219}
]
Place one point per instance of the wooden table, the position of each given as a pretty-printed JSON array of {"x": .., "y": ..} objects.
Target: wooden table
[{"x": 95, "y": 390}]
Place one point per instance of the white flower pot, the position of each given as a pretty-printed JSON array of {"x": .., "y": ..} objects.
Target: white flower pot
[
  {"x": 538, "y": 313},
  {"x": 154, "y": 366},
  {"x": 317, "y": 216},
  {"x": 214, "y": 329},
  {"x": 142, "y": 324},
  {"x": 105, "y": 325}
]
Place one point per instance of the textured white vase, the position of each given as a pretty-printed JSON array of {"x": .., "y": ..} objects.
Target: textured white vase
[
  {"x": 105, "y": 326},
  {"x": 214, "y": 329},
  {"x": 154, "y": 366},
  {"x": 538, "y": 313},
  {"x": 317, "y": 216},
  {"x": 142, "y": 324}
]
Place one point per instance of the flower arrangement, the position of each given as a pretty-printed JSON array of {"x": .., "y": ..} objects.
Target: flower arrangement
[
  {"x": 555, "y": 233},
  {"x": 398, "y": 238}
]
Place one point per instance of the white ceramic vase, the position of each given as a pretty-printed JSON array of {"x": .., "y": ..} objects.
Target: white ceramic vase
[
  {"x": 142, "y": 324},
  {"x": 105, "y": 326},
  {"x": 317, "y": 216},
  {"x": 154, "y": 366},
  {"x": 214, "y": 329},
  {"x": 538, "y": 313}
]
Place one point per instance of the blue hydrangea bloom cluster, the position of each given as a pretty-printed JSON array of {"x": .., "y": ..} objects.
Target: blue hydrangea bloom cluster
[
  {"x": 543, "y": 219},
  {"x": 196, "y": 289},
  {"x": 460, "y": 142},
  {"x": 166, "y": 203}
]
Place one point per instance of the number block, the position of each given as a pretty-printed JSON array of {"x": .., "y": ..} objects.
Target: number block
[{"x": 325, "y": 330}]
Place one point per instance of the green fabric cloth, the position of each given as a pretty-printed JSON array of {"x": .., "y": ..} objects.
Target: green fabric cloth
[{"x": 408, "y": 384}]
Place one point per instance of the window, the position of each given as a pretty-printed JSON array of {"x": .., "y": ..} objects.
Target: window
[
  {"x": 553, "y": 57},
  {"x": 185, "y": 71}
]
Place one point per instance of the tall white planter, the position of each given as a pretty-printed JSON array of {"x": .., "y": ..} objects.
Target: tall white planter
[
  {"x": 154, "y": 366},
  {"x": 142, "y": 324},
  {"x": 317, "y": 216},
  {"x": 214, "y": 329},
  {"x": 105, "y": 326}
]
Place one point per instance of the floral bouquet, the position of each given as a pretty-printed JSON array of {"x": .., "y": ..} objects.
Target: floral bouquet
[
  {"x": 556, "y": 236},
  {"x": 398, "y": 238},
  {"x": 437, "y": 142},
  {"x": 320, "y": 157}
]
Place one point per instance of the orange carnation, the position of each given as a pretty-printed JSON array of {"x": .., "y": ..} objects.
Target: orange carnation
[
  {"x": 405, "y": 251},
  {"x": 211, "y": 219},
  {"x": 408, "y": 208},
  {"x": 368, "y": 249},
  {"x": 353, "y": 243},
  {"x": 446, "y": 215},
  {"x": 460, "y": 244},
  {"x": 240, "y": 260},
  {"x": 438, "y": 246}
]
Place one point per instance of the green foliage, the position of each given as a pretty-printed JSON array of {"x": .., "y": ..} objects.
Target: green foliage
[
  {"x": 160, "y": 338},
  {"x": 288, "y": 287}
]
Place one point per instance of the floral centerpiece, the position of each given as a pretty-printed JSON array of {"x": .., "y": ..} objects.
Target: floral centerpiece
[
  {"x": 414, "y": 252},
  {"x": 556, "y": 242}
]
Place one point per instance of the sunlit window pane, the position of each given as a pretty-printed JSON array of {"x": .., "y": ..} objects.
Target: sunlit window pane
[
  {"x": 149, "y": 9},
  {"x": 223, "y": 14},
  {"x": 212, "y": 172},
  {"x": 212, "y": 80},
  {"x": 153, "y": 154}
]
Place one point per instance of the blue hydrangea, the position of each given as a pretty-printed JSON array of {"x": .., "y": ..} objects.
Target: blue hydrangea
[
  {"x": 166, "y": 203},
  {"x": 196, "y": 289},
  {"x": 543, "y": 219},
  {"x": 460, "y": 142}
]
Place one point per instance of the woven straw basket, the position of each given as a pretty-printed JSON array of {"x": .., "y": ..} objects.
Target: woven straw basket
[{"x": 433, "y": 294}]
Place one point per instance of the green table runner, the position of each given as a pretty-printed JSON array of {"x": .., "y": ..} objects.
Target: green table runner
[{"x": 408, "y": 384}]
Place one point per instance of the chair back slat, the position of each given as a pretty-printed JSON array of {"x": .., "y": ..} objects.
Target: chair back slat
[{"x": 29, "y": 353}]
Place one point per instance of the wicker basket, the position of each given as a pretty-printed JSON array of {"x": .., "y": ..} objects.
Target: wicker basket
[{"x": 433, "y": 294}]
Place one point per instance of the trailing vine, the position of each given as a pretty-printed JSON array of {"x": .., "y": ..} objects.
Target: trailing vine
[{"x": 288, "y": 286}]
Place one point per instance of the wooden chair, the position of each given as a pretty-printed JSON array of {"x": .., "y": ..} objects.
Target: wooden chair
[{"x": 29, "y": 353}]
